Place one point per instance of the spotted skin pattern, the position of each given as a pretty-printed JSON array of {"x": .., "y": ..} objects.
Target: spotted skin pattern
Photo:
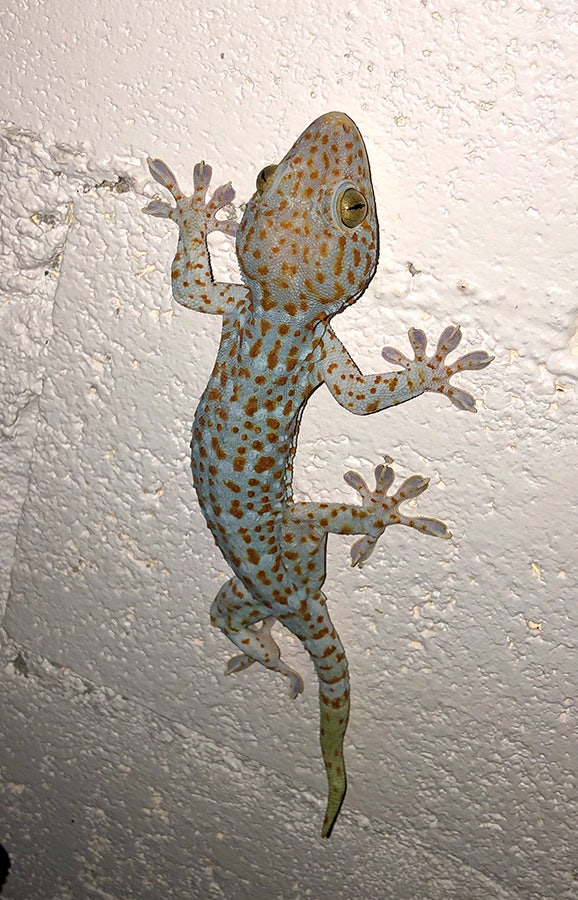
[{"x": 307, "y": 247}]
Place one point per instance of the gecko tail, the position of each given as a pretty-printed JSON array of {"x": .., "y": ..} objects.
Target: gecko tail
[
  {"x": 328, "y": 657},
  {"x": 334, "y": 713}
]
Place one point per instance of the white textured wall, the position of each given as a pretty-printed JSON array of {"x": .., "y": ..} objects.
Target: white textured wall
[{"x": 131, "y": 767}]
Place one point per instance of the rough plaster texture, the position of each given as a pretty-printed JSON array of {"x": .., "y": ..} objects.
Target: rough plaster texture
[{"x": 131, "y": 767}]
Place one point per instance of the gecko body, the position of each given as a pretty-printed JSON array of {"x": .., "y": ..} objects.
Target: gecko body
[{"x": 307, "y": 247}]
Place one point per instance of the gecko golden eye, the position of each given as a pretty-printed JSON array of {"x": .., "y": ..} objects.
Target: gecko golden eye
[
  {"x": 352, "y": 207},
  {"x": 265, "y": 177}
]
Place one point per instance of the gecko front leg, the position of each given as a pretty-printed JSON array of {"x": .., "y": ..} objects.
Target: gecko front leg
[
  {"x": 192, "y": 278},
  {"x": 365, "y": 394}
]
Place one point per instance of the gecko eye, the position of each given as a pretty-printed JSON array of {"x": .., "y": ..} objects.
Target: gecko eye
[
  {"x": 264, "y": 178},
  {"x": 352, "y": 207}
]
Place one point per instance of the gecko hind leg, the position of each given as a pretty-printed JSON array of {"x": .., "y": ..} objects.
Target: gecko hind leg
[
  {"x": 235, "y": 613},
  {"x": 242, "y": 662}
]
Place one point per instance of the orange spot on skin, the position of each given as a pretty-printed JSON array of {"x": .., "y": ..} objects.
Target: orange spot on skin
[
  {"x": 216, "y": 445},
  {"x": 236, "y": 509},
  {"x": 273, "y": 355},
  {"x": 251, "y": 406},
  {"x": 264, "y": 463}
]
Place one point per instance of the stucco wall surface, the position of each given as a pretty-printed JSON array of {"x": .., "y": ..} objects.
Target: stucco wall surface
[{"x": 131, "y": 767}]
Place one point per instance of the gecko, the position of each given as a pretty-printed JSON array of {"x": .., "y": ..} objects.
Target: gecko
[{"x": 307, "y": 247}]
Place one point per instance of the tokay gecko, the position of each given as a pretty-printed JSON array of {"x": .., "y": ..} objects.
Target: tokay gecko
[{"x": 307, "y": 247}]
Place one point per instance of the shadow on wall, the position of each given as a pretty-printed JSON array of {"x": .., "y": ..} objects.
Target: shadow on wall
[{"x": 4, "y": 866}]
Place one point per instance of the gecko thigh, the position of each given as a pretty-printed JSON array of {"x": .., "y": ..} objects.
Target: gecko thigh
[{"x": 234, "y": 608}]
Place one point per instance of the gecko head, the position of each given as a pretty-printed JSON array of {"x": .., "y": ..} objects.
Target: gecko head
[{"x": 308, "y": 240}]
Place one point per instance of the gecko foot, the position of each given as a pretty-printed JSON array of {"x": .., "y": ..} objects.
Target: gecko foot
[
  {"x": 242, "y": 661},
  {"x": 194, "y": 206},
  {"x": 433, "y": 371},
  {"x": 385, "y": 509}
]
